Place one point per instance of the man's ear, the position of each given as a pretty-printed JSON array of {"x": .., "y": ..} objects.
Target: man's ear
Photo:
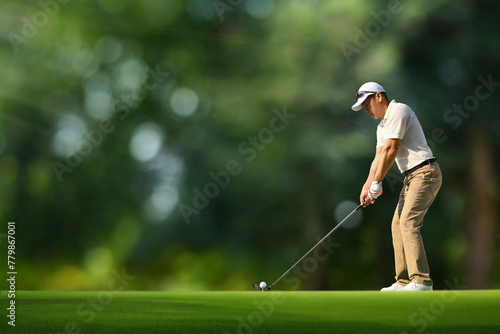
[{"x": 379, "y": 97}]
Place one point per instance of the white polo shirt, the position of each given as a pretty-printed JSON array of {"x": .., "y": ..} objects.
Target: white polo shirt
[{"x": 401, "y": 122}]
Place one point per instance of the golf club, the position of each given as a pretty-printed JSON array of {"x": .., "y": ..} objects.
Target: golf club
[{"x": 258, "y": 287}]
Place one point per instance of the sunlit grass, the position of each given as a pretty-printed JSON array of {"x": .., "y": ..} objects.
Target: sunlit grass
[{"x": 247, "y": 312}]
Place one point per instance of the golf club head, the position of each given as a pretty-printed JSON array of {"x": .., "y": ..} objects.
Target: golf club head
[{"x": 257, "y": 287}]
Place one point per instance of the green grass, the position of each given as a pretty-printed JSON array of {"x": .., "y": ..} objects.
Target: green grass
[{"x": 255, "y": 312}]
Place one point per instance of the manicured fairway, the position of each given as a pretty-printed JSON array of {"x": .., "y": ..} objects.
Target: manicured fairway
[{"x": 255, "y": 312}]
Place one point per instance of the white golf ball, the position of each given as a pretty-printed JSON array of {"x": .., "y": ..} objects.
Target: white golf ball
[{"x": 262, "y": 285}]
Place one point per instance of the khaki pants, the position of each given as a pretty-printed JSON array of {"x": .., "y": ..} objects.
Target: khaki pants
[{"x": 419, "y": 191}]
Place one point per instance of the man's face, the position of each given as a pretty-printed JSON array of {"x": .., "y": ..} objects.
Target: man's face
[{"x": 373, "y": 107}]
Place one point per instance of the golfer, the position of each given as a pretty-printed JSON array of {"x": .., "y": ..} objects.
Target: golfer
[{"x": 400, "y": 137}]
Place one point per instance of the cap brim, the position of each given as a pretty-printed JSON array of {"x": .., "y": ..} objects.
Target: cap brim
[{"x": 357, "y": 106}]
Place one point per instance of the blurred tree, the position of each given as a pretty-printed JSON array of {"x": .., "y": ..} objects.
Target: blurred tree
[
  {"x": 483, "y": 222},
  {"x": 186, "y": 91},
  {"x": 459, "y": 49}
]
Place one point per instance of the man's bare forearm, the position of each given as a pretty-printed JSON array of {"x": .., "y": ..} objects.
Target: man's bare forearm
[
  {"x": 386, "y": 159},
  {"x": 372, "y": 173}
]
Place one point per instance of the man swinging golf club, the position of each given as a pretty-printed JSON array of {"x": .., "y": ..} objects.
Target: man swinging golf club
[{"x": 400, "y": 137}]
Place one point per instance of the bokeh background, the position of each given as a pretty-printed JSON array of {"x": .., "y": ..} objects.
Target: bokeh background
[{"x": 205, "y": 145}]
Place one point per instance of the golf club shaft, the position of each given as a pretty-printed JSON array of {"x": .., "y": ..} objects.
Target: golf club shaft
[{"x": 319, "y": 242}]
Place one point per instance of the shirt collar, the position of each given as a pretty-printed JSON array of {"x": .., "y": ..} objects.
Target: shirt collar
[{"x": 389, "y": 108}]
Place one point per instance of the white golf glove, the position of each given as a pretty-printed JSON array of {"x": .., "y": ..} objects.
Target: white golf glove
[{"x": 375, "y": 190}]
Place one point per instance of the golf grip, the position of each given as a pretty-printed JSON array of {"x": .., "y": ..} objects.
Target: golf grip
[{"x": 319, "y": 242}]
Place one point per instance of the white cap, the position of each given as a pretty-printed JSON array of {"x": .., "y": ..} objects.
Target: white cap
[{"x": 364, "y": 91}]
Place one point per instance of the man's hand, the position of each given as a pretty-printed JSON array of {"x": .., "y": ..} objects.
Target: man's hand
[
  {"x": 364, "y": 199},
  {"x": 375, "y": 190}
]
